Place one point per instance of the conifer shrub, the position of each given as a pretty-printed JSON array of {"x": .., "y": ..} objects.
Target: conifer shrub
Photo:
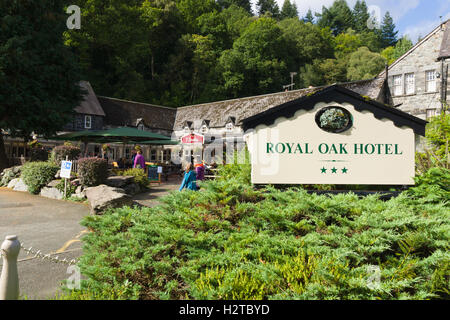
[
  {"x": 36, "y": 175},
  {"x": 92, "y": 171},
  {"x": 230, "y": 241}
]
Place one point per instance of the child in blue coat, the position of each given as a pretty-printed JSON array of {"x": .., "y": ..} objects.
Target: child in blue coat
[{"x": 190, "y": 179}]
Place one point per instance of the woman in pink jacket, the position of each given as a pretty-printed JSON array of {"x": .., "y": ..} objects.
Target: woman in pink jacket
[{"x": 139, "y": 161}]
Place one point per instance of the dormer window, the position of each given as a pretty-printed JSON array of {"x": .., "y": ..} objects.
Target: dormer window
[
  {"x": 87, "y": 122},
  {"x": 229, "y": 126},
  {"x": 204, "y": 127},
  {"x": 187, "y": 126}
]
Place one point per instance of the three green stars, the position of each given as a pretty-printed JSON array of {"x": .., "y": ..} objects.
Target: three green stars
[{"x": 334, "y": 170}]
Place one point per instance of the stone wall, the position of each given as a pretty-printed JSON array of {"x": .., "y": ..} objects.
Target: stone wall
[{"x": 420, "y": 60}]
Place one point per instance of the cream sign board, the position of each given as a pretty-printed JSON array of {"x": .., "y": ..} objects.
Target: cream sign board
[{"x": 366, "y": 150}]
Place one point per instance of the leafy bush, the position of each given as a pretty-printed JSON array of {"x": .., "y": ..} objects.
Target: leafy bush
[
  {"x": 92, "y": 171},
  {"x": 438, "y": 134},
  {"x": 432, "y": 186},
  {"x": 59, "y": 153},
  {"x": 36, "y": 175},
  {"x": 231, "y": 241},
  {"x": 140, "y": 177},
  {"x": 70, "y": 190}
]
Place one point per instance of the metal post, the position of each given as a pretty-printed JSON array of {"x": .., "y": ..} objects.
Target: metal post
[{"x": 9, "y": 280}]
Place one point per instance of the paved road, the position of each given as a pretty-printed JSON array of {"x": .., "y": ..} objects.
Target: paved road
[
  {"x": 151, "y": 198},
  {"x": 51, "y": 226}
]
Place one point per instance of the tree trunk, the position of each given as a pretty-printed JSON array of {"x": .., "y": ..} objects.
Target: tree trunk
[{"x": 3, "y": 158}]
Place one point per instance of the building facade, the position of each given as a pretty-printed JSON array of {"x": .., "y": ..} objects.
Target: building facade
[{"x": 418, "y": 81}]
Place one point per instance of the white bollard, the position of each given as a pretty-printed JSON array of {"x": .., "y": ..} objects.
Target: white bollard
[{"x": 9, "y": 280}]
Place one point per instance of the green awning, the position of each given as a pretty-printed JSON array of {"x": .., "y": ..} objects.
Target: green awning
[{"x": 117, "y": 135}]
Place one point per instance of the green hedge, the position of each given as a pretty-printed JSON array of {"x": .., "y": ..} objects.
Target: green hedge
[
  {"x": 92, "y": 171},
  {"x": 140, "y": 177},
  {"x": 233, "y": 242},
  {"x": 37, "y": 175},
  {"x": 60, "y": 153}
]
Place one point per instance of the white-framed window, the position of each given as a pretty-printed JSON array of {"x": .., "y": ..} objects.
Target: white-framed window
[
  {"x": 153, "y": 155},
  {"x": 398, "y": 85},
  {"x": 87, "y": 122},
  {"x": 229, "y": 126},
  {"x": 431, "y": 113},
  {"x": 410, "y": 83},
  {"x": 430, "y": 81}
]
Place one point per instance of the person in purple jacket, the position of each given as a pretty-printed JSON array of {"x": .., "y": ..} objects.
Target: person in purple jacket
[{"x": 139, "y": 161}]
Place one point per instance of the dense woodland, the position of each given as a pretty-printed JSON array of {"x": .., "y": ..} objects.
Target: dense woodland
[{"x": 181, "y": 52}]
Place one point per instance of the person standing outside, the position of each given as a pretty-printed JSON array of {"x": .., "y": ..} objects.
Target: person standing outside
[
  {"x": 200, "y": 170},
  {"x": 189, "y": 180},
  {"x": 139, "y": 161}
]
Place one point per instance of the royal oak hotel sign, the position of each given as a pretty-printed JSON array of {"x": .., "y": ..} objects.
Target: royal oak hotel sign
[{"x": 333, "y": 136}]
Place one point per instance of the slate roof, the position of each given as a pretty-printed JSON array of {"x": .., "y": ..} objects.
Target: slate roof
[
  {"x": 126, "y": 113},
  {"x": 444, "y": 53},
  {"x": 219, "y": 112},
  {"x": 339, "y": 94},
  {"x": 90, "y": 104}
]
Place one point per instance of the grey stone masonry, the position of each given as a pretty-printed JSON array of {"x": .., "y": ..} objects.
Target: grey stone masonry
[{"x": 420, "y": 59}]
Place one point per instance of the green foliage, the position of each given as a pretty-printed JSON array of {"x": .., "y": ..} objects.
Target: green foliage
[
  {"x": 139, "y": 176},
  {"x": 59, "y": 153},
  {"x": 388, "y": 32},
  {"x": 432, "y": 186},
  {"x": 92, "y": 171},
  {"x": 36, "y": 175},
  {"x": 231, "y": 241},
  {"x": 70, "y": 190},
  {"x": 194, "y": 51},
  {"x": 438, "y": 134},
  {"x": 33, "y": 57},
  {"x": 364, "y": 64}
]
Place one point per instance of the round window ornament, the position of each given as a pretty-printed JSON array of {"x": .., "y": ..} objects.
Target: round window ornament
[{"x": 334, "y": 119}]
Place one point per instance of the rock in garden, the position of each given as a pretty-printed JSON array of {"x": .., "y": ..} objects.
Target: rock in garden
[
  {"x": 53, "y": 183},
  {"x": 52, "y": 193},
  {"x": 103, "y": 197},
  {"x": 13, "y": 183},
  {"x": 20, "y": 186},
  {"x": 119, "y": 181},
  {"x": 132, "y": 189},
  {"x": 79, "y": 193}
]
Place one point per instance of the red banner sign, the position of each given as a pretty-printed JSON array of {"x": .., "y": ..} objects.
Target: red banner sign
[{"x": 192, "y": 138}]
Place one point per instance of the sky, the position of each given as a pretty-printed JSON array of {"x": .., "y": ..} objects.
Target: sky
[{"x": 413, "y": 18}]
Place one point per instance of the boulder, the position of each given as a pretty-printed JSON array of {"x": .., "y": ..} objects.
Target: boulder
[
  {"x": 20, "y": 186},
  {"x": 53, "y": 183},
  {"x": 119, "y": 181},
  {"x": 103, "y": 197},
  {"x": 79, "y": 193},
  {"x": 132, "y": 189},
  {"x": 8, "y": 174},
  {"x": 13, "y": 183},
  {"x": 52, "y": 193}
]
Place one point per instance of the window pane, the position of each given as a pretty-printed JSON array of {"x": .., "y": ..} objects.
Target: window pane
[
  {"x": 410, "y": 83},
  {"x": 398, "y": 85},
  {"x": 431, "y": 81}
]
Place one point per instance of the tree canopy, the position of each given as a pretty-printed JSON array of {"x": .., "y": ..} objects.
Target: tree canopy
[{"x": 39, "y": 75}]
